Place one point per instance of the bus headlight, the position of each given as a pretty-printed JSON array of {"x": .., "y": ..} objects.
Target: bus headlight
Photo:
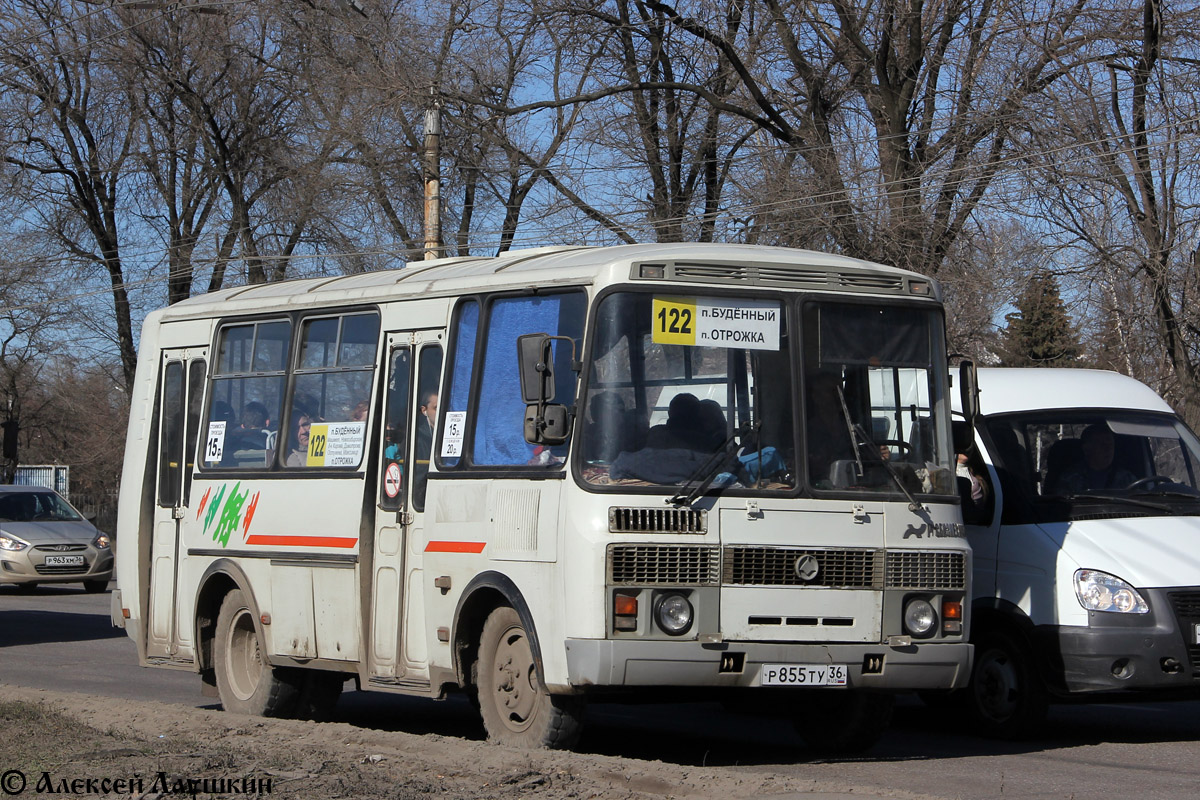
[
  {"x": 1099, "y": 591},
  {"x": 673, "y": 613},
  {"x": 919, "y": 618}
]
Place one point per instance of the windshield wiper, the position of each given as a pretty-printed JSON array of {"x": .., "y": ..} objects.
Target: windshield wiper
[
  {"x": 707, "y": 472},
  {"x": 1110, "y": 498},
  {"x": 913, "y": 503}
]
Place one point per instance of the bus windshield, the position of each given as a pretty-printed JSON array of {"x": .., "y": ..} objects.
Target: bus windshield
[
  {"x": 683, "y": 390},
  {"x": 876, "y": 418},
  {"x": 690, "y": 388}
]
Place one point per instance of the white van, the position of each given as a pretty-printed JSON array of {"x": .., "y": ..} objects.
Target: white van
[{"x": 1086, "y": 544}]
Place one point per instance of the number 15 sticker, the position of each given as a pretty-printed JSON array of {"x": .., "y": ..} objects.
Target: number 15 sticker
[{"x": 674, "y": 321}]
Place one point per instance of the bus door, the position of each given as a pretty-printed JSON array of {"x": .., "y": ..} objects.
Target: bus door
[
  {"x": 182, "y": 380},
  {"x": 397, "y": 633}
]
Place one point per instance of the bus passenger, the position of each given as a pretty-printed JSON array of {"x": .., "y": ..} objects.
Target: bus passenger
[{"x": 298, "y": 457}]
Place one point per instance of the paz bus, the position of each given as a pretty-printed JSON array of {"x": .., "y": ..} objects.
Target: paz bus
[{"x": 665, "y": 470}]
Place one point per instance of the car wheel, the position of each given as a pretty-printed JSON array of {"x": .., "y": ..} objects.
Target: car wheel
[
  {"x": 515, "y": 706},
  {"x": 27, "y": 588},
  {"x": 246, "y": 683},
  {"x": 839, "y": 722},
  {"x": 95, "y": 587},
  {"x": 1007, "y": 699}
]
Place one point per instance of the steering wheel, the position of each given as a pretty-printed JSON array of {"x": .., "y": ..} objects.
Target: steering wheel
[
  {"x": 1149, "y": 480},
  {"x": 904, "y": 447}
]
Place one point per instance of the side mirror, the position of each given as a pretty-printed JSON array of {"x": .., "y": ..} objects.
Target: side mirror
[
  {"x": 535, "y": 364},
  {"x": 546, "y": 424},
  {"x": 968, "y": 386}
]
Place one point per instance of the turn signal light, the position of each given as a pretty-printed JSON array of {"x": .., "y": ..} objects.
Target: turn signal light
[
  {"x": 952, "y": 617},
  {"x": 625, "y": 612}
]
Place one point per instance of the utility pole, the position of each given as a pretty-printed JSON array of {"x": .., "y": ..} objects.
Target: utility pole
[{"x": 433, "y": 175}]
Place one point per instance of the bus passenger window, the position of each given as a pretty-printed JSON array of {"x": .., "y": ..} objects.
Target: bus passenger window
[
  {"x": 247, "y": 395},
  {"x": 332, "y": 389}
]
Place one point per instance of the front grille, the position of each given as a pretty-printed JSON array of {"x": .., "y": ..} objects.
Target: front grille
[
  {"x": 1187, "y": 614},
  {"x": 656, "y": 520},
  {"x": 76, "y": 569},
  {"x": 777, "y": 566},
  {"x": 926, "y": 569},
  {"x": 650, "y": 564},
  {"x": 60, "y": 548}
]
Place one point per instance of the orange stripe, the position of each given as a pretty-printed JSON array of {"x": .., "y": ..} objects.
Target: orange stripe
[
  {"x": 303, "y": 541},
  {"x": 454, "y": 547}
]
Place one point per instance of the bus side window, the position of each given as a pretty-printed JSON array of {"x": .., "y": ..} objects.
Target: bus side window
[
  {"x": 499, "y": 425},
  {"x": 429, "y": 369}
]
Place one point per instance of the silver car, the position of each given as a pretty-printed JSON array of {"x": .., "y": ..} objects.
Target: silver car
[{"x": 44, "y": 540}]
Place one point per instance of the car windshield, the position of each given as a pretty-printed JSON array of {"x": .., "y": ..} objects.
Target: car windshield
[
  {"x": 35, "y": 507},
  {"x": 1100, "y": 454}
]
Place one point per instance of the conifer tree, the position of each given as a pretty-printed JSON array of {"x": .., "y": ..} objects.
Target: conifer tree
[{"x": 1039, "y": 332}]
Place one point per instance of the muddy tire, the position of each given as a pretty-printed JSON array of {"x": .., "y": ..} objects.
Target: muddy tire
[
  {"x": 516, "y": 708},
  {"x": 1006, "y": 699},
  {"x": 246, "y": 683},
  {"x": 843, "y": 722}
]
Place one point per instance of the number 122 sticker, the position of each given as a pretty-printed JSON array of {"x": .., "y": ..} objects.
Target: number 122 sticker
[{"x": 716, "y": 322}]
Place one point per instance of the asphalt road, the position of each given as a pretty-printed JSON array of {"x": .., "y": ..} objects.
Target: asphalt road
[{"x": 61, "y": 638}]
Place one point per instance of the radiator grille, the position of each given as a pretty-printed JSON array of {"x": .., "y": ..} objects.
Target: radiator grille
[
  {"x": 647, "y": 564},
  {"x": 656, "y": 520},
  {"x": 777, "y": 566},
  {"x": 60, "y": 548},
  {"x": 926, "y": 569},
  {"x": 1187, "y": 614},
  {"x": 75, "y": 569}
]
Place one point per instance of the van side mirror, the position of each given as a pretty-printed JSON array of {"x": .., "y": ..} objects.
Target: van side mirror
[{"x": 968, "y": 386}]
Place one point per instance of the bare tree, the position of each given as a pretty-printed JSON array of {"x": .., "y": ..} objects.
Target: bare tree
[{"x": 65, "y": 127}]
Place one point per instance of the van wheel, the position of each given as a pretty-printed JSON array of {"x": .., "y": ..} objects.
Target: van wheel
[
  {"x": 246, "y": 683},
  {"x": 1007, "y": 699},
  {"x": 515, "y": 706},
  {"x": 839, "y": 722}
]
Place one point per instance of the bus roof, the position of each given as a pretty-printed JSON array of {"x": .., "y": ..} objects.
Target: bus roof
[
  {"x": 1006, "y": 390},
  {"x": 743, "y": 265}
]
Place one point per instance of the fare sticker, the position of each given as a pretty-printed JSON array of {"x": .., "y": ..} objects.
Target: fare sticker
[{"x": 716, "y": 322}]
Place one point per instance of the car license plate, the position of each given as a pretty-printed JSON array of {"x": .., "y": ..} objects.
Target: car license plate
[
  {"x": 802, "y": 675},
  {"x": 64, "y": 561}
]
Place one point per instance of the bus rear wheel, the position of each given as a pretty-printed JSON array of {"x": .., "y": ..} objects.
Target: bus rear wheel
[
  {"x": 246, "y": 683},
  {"x": 515, "y": 706}
]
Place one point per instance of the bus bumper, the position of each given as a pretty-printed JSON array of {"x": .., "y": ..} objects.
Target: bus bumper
[{"x": 607, "y": 662}]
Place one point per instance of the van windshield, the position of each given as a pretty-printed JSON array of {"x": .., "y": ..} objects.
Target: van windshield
[{"x": 1098, "y": 455}]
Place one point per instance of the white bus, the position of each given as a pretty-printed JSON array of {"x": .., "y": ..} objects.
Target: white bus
[{"x": 557, "y": 474}]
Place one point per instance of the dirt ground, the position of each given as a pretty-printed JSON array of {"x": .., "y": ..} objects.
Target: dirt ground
[{"x": 57, "y": 744}]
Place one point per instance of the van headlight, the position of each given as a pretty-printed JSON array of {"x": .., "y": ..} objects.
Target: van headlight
[{"x": 1099, "y": 591}]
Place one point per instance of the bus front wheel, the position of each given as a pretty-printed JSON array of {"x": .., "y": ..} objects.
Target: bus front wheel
[
  {"x": 246, "y": 683},
  {"x": 515, "y": 706}
]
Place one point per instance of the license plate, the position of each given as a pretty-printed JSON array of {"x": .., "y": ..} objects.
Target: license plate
[
  {"x": 64, "y": 561},
  {"x": 802, "y": 675}
]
